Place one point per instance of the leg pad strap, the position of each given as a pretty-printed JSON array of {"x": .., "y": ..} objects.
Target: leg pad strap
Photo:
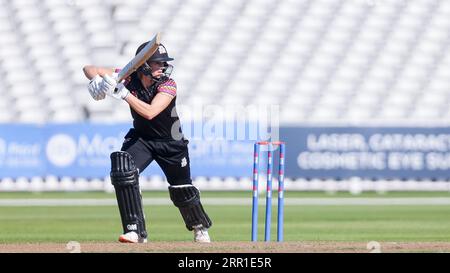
[{"x": 187, "y": 199}]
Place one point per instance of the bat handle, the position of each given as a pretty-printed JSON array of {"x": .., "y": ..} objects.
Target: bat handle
[{"x": 118, "y": 82}]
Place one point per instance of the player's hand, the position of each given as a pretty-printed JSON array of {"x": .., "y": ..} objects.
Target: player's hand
[
  {"x": 120, "y": 93},
  {"x": 108, "y": 84},
  {"x": 94, "y": 88}
]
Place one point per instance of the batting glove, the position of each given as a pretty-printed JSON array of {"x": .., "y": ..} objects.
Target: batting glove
[
  {"x": 120, "y": 92},
  {"x": 113, "y": 89},
  {"x": 94, "y": 88},
  {"x": 108, "y": 84}
]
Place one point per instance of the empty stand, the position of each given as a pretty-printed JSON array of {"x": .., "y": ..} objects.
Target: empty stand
[{"x": 322, "y": 61}]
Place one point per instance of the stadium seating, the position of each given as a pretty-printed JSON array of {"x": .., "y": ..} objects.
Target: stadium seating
[{"x": 341, "y": 62}]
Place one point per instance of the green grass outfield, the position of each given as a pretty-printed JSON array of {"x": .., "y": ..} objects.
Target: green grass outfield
[{"x": 361, "y": 223}]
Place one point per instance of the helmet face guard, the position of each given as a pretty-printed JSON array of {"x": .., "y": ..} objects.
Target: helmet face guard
[
  {"x": 167, "y": 70},
  {"x": 146, "y": 70}
]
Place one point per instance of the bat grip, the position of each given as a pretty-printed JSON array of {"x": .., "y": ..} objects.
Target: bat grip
[{"x": 118, "y": 82}]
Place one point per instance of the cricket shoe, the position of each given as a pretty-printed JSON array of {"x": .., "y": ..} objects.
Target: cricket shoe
[
  {"x": 131, "y": 237},
  {"x": 201, "y": 235}
]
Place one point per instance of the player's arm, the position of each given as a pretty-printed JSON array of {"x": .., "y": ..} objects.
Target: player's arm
[
  {"x": 96, "y": 76},
  {"x": 149, "y": 111},
  {"x": 165, "y": 94},
  {"x": 91, "y": 71}
]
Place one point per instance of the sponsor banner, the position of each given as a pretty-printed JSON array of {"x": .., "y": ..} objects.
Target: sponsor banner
[
  {"x": 66, "y": 150},
  {"x": 21, "y": 151},
  {"x": 83, "y": 150},
  {"x": 221, "y": 158},
  {"x": 371, "y": 153}
]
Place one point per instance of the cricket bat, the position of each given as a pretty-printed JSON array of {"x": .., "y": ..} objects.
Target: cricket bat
[{"x": 140, "y": 58}]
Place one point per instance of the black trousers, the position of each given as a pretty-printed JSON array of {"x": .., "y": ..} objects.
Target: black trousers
[{"x": 172, "y": 156}]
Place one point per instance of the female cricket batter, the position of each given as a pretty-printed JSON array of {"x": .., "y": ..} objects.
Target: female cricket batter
[{"x": 151, "y": 95}]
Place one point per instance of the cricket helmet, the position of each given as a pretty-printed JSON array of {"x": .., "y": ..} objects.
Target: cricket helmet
[{"x": 160, "y": 54}]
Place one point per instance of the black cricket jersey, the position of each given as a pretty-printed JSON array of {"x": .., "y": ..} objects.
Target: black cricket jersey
[{"x": 166, "y": 125}]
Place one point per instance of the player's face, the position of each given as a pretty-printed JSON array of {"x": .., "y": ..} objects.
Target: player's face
[{"x": 156, "y": 65}]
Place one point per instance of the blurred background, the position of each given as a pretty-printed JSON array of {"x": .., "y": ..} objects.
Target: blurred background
[{"x": 360, "y": 89}]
